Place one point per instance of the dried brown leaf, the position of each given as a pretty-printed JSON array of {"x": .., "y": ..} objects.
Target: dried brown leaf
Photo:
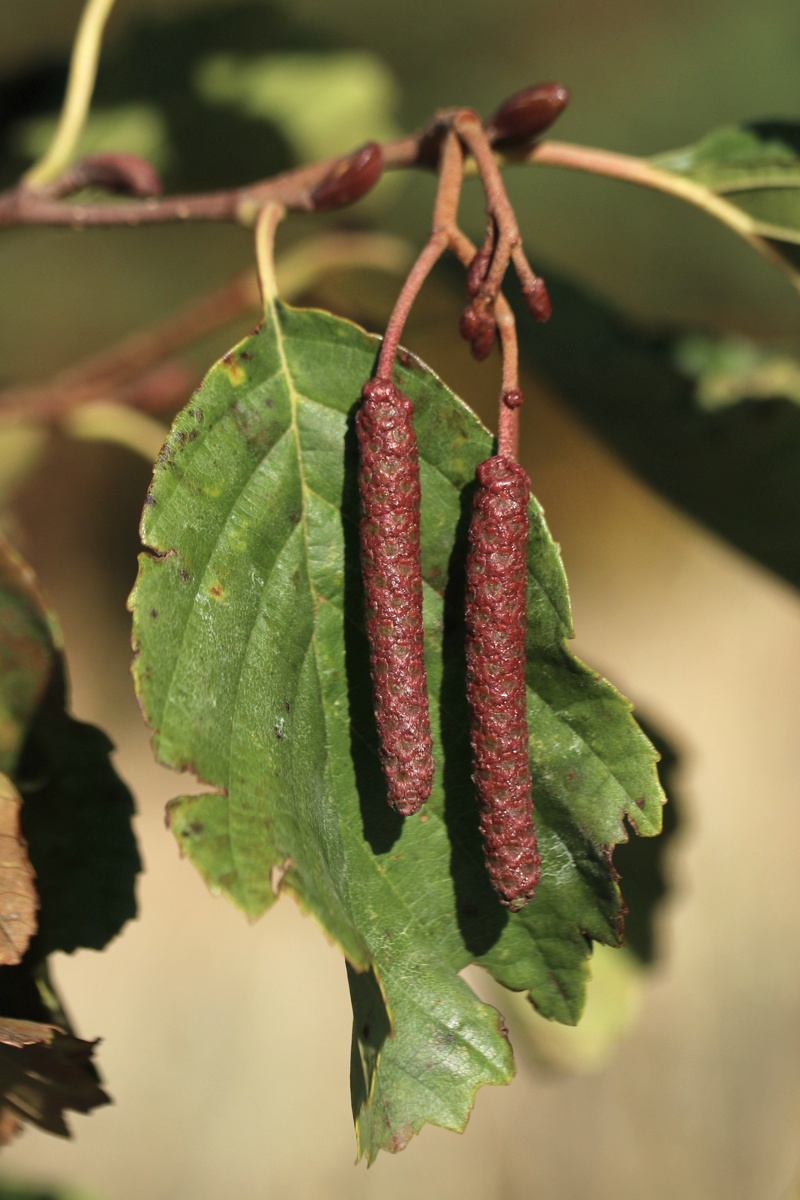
[
  {"x": 43, "y": 1072},
  {"x": 19, "y": 900}
]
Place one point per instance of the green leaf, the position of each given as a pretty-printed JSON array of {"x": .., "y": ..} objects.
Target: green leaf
[
  {"x": 713, "y": 423},
  {"x": 76, "y": 812},
  {"x": 755, "y": 167},
  {"x": 252, "y": 668}
]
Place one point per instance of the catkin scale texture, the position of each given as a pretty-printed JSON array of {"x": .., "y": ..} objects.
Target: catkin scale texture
[
  {"x": 496, "y": 621},
  {"x": 389, "y": 488}
]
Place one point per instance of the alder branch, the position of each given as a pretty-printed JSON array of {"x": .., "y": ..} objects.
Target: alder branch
[{"x": 293, "y": 190}]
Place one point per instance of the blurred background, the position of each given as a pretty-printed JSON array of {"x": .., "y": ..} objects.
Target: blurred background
[{"x": 226, "y": 1046}]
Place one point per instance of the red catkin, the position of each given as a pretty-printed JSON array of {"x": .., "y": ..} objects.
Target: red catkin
[
  {"x": 495, "y": 648},
  {"x": 390, "y": 562}
]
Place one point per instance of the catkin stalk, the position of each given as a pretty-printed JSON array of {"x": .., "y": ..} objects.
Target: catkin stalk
[
  {"x": 495, "y": 648},
  {"x": 390, "y": 562}
]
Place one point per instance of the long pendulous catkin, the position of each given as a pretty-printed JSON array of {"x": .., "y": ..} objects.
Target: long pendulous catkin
[
  {"x": 390, "y": 561},
  {"x": 495, "y": 647}
]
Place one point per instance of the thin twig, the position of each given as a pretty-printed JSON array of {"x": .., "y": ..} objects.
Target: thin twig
[
  {"x": 26, "y": 206},
  {"x": 639, "y": 171},
  {"x": 451, "y": 172},
  {"x": 80, "y": 85}
]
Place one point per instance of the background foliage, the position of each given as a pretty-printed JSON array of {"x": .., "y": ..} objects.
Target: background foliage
[{"x": 650, "y": 257}]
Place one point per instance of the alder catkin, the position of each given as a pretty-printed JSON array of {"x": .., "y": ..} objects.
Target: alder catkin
[
  {"x": 390, "y": 562},
  {"x": 495, "y": 649}
]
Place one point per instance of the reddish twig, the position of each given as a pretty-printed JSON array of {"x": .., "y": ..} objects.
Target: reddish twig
[{"x": 451, "y": 174}]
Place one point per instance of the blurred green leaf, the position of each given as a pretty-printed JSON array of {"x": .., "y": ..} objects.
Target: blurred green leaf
[
  {"x": 30, "y": 1191},
  {"x": 130, "y": 128},
  {"x": 728, "y": 370},
  {"x": 739, "y": 159},
  {"x": 734, "y": 466},
  {"x": 252, "y": 668},
  {"x": 325, "y": 104},
  {"x": 756, "y": 167}
]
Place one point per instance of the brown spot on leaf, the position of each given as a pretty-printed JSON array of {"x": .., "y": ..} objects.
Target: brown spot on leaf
[
  {"x": 216, "y": 591},
  {"x": 233, "y": 369},
  {"x": 399, "y": 1139}
]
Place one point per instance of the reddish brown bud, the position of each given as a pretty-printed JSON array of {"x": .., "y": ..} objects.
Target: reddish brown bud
[
  {"x": 512, "y": 398},
  {"x": 469, "y": 324},
  {"x": 476, "y": 272},
  {"x": 483, "y": 339},
  {"x": 496, "y": 619},
  {"x": 537, "y": 301},
  {"x": 527, "y": 114},
  {"x": 349, "y": 179},
  {"x": 478, "y": 326},
  {"x": 390, "y": 563}
]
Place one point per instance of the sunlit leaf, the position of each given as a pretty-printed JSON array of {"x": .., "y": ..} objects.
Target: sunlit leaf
[{"x": 252, "y": 668}]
